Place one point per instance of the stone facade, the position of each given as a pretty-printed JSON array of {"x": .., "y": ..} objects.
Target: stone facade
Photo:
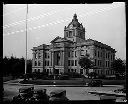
[{"x": 62, "y": 54}]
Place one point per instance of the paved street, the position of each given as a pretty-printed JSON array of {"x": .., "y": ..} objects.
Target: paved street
[{"x": 73, "y": 93}]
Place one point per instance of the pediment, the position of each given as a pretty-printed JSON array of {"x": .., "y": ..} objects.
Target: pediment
[{"x": 58, "y": 40}]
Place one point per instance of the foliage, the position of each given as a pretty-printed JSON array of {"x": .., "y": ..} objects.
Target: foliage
[
  {"x": 15, "y": 66},
  {"x": 118, "y": 66},
  {"x": 85, "y": 62},
  {"x": 72, "y": 74}
]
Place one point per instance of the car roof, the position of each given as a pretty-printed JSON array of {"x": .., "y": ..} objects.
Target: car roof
[
  {"x": 26, "y": 87},
  {"x": 40, "y": 89},
  {"x": 57, "y": 91}
]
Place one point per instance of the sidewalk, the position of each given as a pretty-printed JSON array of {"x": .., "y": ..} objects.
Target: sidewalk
[{"x": 16, "y": 82}]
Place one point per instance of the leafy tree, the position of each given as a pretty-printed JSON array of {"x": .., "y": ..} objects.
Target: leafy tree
[
  {"x": 29, "y": 66},
  {"x": 15, "y": 66},
  {"x": 86, "y": 63},
  {"x": 118, "y": 66}
]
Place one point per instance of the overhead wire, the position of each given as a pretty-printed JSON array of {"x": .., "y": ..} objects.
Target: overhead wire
[
  {"x": 34, "y": 18},
  {"x": 61, "y": 21}
]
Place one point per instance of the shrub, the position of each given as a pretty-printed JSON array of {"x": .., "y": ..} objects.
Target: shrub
[{"x": 101, "y": 76}]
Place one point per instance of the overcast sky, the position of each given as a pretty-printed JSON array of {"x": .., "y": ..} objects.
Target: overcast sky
[{"x": 103, "y": 22}]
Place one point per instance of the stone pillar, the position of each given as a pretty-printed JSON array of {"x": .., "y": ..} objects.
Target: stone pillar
[
  {"x": 61, "y": 58},
  {"x": 53, "y": 62},
  {"x": 33, "y": 62},
  {"x": 37, "y": 56}
]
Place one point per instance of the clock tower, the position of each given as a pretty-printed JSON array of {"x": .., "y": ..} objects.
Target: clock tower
[{"x": 74, "y": 31}]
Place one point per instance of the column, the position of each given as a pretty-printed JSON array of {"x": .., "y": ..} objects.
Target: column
[
  {"x": 52, "y": 61},
  {"x": 61, "y": 58},
  {"x": 33, "y": 59}
]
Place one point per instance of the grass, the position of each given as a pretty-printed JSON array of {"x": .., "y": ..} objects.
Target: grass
[
  {"x": 7, "y": 78},
  {"x": 57, "y": 82},
  {"x": 72, "y": 82}
]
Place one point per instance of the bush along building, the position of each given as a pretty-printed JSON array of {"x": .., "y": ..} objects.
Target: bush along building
[{"x": 62, "y": 55}]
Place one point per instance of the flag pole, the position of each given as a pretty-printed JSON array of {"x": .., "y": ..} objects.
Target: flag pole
[{"x": 26, "y": 40}]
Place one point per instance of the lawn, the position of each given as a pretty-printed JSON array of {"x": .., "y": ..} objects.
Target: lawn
[
  {"x": 7, "y": 78},
  {"x": 72, "y": 82},
  {"x": 57, "y": 82}
]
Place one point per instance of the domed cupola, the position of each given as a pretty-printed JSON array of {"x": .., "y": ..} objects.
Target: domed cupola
[
  {"x": 74, "y": 22},
  {"x": 74, "y": 31}
]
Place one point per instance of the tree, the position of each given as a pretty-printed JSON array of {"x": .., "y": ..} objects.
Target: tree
[
  {"x": 29, "y": 66},
  {"x": 118, "y": 66},
  {"x": 86, "y": 63}
]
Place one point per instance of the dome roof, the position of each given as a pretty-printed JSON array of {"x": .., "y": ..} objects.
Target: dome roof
[{"x": 74, "y": 22}]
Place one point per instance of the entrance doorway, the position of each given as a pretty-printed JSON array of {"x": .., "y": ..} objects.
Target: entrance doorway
[{"x": 56, "y": 71}]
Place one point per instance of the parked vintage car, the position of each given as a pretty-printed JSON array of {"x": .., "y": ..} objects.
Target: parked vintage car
[
  {"x": 108, "y": 98},
  {"x": 58, "y": 95},
  {"x": 39, "y": 95},
  {"x": 24, "y": 94},
  {"x": 95, "y": 83}
]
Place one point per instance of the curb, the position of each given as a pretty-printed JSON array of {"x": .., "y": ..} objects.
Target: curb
[{"x": 58, "y": 85}]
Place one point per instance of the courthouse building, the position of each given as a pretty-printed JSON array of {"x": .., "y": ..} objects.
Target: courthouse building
[{"x": 63, "y": 53}]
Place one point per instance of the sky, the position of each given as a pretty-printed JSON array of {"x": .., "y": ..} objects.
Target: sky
[{"x": 103, "y": 22}]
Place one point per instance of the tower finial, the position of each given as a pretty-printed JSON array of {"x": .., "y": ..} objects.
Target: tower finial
[{"x": 75, "y": 16}]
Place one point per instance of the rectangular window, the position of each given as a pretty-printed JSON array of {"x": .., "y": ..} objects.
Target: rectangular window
[
  {"x": 47, "y": 55},
  {"x": 81, "y": 71},
  {"x": 82, "y": 52},
  {"x": 113, "y": 57},
  {"x": 95, "y": 52},
  {"x": 95, "y": 62},
  {"x": 72, "y": 62},
  {"x": 98, "y": 53},
  {"x": 38, "y": 70},
  {"x": 39, "y": 55},
  {"x": 47, "y": 63},
  {"x": 35, "y": 63},
  {"x": 68, "y": 70},
  {"x": 106, "y": 63},
  {"x": 106, "y": 55},
  {"x": 75, "y": 54},
  {"x": 36, "y": 56},
  {"x": 98, "y": 62},
  {"x": 74, "y": 70},
  {"x": 70, "y": 33},
  {"x": 72, "y": 53},
  {"x": 38, "y": 63},
  {"x": 68, "y": 54},
  {"x": 71, "y": 70},
  {"x": 75, "y": 62},
  {"x": 68, "y": 62},
  {"x": 66, "y": 34},
  {"x": 101, "y": 54},
  {"x": 35, "y": 70}
]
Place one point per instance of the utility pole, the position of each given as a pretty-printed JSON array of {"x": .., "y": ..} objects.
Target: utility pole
[{"x": 26, "y": 39}]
